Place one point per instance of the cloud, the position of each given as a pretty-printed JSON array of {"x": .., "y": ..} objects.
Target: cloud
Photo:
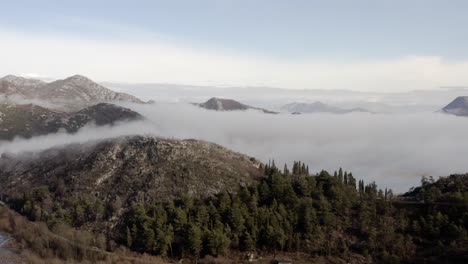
[
  {"x": 152, "y": 60},
  {"x": 393, "y": 150}
]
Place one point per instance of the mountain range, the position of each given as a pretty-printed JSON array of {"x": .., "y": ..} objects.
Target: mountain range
[
  {"x": 317, "y": 107},
  {"x": 70, "y": 94},
  {"x": 30, "y": 107}
]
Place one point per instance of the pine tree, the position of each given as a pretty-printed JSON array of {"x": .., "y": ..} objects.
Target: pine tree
[
  {"x": 129, "y": 238},
  {"x": 194, "y": 240}
]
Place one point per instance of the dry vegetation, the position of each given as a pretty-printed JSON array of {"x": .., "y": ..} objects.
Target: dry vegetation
[{"x": 34, "y": 243}]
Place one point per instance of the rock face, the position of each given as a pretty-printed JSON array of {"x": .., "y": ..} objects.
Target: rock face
[
  {"x": 317, "y": 107},
  {"x": 219, "y": 104},
  {"x": 458, "y": 107},
  {"x": 31, "y": 120},
  {"x": 70, "y": 94},
  {"x": 134, "y": 168}
]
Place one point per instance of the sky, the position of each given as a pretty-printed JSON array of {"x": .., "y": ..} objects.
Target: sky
[{"x": 364, "y": 45}]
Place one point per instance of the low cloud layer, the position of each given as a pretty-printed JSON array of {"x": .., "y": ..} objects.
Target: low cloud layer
[{"x": 393, "y": 150}]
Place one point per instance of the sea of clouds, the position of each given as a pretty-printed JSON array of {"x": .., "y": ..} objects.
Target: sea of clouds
[{"x": 395, "y": 150}]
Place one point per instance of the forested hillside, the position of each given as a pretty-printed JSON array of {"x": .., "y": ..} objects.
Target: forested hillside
[{"x": 289, "y": 211}]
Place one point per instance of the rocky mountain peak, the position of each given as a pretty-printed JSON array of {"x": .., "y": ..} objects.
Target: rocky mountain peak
[
  {"x": 80, "y": 79},
  {"x": 459, "y": 106},
  {"x": 220, "y": 104},
  {"x": 224, "y": 104},
  {"x": 460, "y": 101},
  {"x": 21, "y": 81},
  {"x": 70, "y": 94},
  {"x": 77, "y": 82}
]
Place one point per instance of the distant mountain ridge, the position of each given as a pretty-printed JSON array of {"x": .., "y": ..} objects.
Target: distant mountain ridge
[
  {"x": 220, "y": 104},
  {"x": 317, "y": 107},
  {"x": 458, "y": 107},
  {"x": 31, "y": 120},
  {"x": 70, "y": 94}
]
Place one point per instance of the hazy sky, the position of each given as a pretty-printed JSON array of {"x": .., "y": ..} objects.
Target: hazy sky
[{"x": 362, "y": 45}]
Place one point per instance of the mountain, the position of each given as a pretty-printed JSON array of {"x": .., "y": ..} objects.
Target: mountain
[
  {"x": 70, "y": 94},
  {"x": 31, "y": 120},
  {"x": 458, "y": 107},
  {"x": 131, "y": 167},
  {"x": 128, "y": 169},
  {"x": 13, "y": 85},
  {"x": 317, "y": 107},
  {"x": 219, "y": 104}
]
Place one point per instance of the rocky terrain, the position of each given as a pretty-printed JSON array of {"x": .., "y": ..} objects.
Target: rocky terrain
[
  {"x": 133, "y": 168},
  {"x": 219, "y": 104},
  {"x": 70, "y": 94},
  {"x": 31, "y": 120},
  {"x": 458, "y": 107},
  {"x": 317, "y": 107}
]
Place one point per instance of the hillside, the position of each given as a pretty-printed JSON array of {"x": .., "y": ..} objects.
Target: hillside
[
  {"x": 219, "y": 104},
  {"x": 70, "y": 94},
  {"x": 317, "y": 107},
  {"x": 31, "y": 120},
  {"x": 25, "y": 241},
  {"x": 310, "y": 218},
  {"x": 191, "y": 199},
  {"x": 458, "y": 107},
  {"x": 450, "y": 189},
  {"x": 134, "y": 167},
  {"x": 125, "y": 170}
]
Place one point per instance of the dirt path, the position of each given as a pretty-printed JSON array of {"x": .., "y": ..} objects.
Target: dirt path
[
  {"x": 5, "y": 253},
  {"x": 3, "y": 240}
]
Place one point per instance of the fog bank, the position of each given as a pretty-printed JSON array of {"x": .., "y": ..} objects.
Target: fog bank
[{"x": 393, "y": 150}]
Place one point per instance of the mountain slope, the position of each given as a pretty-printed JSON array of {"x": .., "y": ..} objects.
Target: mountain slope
[
  {"x": 458, "y": 107},
  {"x": 445, "y": 189},
  {"x": 317, "y": 107},
  {"x": 70, "y": 94},
  {"x": 132, "y": 167},
  {"x": 116, "y": 173},
  {"x": 80, "y": 88},
  {"x": 31, "y": 120},
  {"x": 219, "y": 104},
  {"x": 13, "y": 85}
]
